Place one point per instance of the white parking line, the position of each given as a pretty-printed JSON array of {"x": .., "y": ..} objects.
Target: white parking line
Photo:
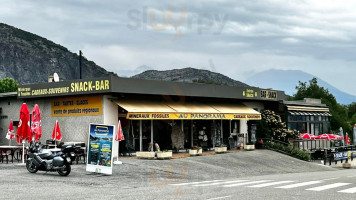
[
  {"x": 219, "y": 183},
  {"x": 330, "y": 186},
  {"x": 245, "y": 183},
  {"x": 269, "y": 184},
  {"x": 350, "y": 190},
  {"x": 193, "y": 183},
  {"x": 220, "y": 198},
  {"x": 299, "y": 185}
]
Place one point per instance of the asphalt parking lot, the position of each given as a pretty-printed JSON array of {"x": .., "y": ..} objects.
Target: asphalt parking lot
[{"x": 136, "y": 178}]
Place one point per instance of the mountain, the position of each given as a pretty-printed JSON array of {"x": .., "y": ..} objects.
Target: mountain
[
  {"x": 287, "y": 80},
  {"x": 129, "y": 73},
  {"x": 189, "y": 75},
  {"x": 29, "y": 58}
]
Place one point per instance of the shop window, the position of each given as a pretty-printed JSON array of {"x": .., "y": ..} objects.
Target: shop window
[
  {"x": 311, "y": 118},
  {"x": 293, "y": 126},
  {"x": 307, "y": 118},
  {"x": 317, "y": 129}
]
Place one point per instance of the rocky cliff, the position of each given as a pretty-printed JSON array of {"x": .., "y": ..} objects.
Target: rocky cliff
[
  {"x": 189, "y": 75},
  {"x": 29, "y": 58}
]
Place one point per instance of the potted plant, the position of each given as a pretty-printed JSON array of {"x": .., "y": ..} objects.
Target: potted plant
[
  {"x": 221, "y": 149},
  {"x": 145, "y": 155},
  {"x": 161, "y": 155},
  {"x": 249, "y": 146},
  {"x": 196, "y": 151}
]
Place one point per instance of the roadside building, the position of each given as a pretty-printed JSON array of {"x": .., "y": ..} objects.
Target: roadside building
[
  {"x": 175, "y": 115},
  {"x": 307, "y": 116}
]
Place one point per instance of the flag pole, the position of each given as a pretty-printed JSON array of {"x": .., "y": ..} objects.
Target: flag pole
[
  {"x": 117, "y": 162},
  {"x": 23, "y": 151},
  {"x": 55, "y": 135}
]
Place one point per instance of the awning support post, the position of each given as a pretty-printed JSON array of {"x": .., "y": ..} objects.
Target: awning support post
[
  {"x": 222, "y": 134},
  {"x": 191, "y": 133},
  {"x": 152, "y": 134},
  {"x": 230, "y": 126},
  {"x": 140, "y": 135}
]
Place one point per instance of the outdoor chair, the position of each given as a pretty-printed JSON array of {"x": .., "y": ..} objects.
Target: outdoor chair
[
  {"x": 24, "y": 154},
  {"x": 79, "y": 153},
  {"x": 4, "y": 154}
]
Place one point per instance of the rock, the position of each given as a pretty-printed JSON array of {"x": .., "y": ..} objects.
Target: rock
[
  {"x": 189, "y": 75},
  {"x": 346, "y": 165},
  {"x": 29, "y": 58}
]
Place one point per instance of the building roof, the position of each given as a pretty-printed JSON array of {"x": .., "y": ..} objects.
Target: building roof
[
  {"x": 114, "y": 84},
  {"x": 306, "y": 102},
  {"x": 8, "y": 94}
]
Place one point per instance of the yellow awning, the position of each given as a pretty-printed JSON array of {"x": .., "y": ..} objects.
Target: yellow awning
[
  {"x": 237, "y": 111},
  {"x": 144, "y": 109}
]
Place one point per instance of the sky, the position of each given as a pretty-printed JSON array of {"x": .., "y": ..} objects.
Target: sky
[{"x": 235, "y": 38}]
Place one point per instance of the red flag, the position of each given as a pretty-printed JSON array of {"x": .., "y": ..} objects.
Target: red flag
[
  {"x": 10, "y": 132},
  {"x": 56, "y": 135},
  {"x": 347, "y": 139},
  {"x": 119, "y": 134},
  {"x": 36, "y": 127},
  {"x": 23, "y": 130}
]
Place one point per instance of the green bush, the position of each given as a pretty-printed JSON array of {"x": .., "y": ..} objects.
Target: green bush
[{"x": 288, "y": 150}]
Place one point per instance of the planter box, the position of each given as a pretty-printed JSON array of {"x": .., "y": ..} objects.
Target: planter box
[
  {"x": 145, "y": 155},
  {"x": 164, "y": 155},
  {"x": 250, "y": 147},
  {"x": 220, "y": 149},
  {"x": 195, "y": 152}
]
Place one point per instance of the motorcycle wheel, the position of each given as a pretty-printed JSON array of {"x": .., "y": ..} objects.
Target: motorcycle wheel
[
  {"x": 65, "y": 171},
  {"x": 31, "y": 167}
]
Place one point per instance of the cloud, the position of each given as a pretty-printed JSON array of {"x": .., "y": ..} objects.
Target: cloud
[{"x": 317, "y": 36}]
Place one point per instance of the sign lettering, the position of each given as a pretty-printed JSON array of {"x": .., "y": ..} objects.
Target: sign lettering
[
  {"x": 77, "y": 106},
  {"x": 65, "y": 88}
]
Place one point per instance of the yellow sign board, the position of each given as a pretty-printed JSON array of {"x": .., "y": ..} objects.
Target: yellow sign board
[
  {"x": 268, "y": 94},
  {"x": 65, "y": 88},
  {"x": 77, "y": 106},
  {"x": 192, "y": 116}
]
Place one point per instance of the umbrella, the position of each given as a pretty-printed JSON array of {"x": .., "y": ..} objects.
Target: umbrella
[
  {"x": 342, "y": 134},
  {"x": 119, "y": 136},
  {"x": 339, "y": 137},
  {"x": 23, "y": 130},
  {"x": 36, "y": 127},
  {"x": 307, "y": 136},
  {"x": 56, "y": 135},
  {"x": 347, "y": 139},
  {"x": 326, "y": 137},
  {"x": 10, "y": 135},
  {"x": 354, "y": 134}
]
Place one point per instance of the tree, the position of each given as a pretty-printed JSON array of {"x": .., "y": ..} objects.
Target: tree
[
  {"x": 271, "y": 126},
  {"x": 8, "y": 85},
  {"x": 340, "y": 113}
]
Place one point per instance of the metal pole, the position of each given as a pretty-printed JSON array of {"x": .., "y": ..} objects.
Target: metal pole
[
  {"x": 80, "y": 64},
  {"x": 214, "y": 138},
  {"x": 222, "y": 134},
  {"x": 152, "y": 134},
  {"x": 191, "y": 133},
  {"x": 140, "y": 135},
  {"x": 23, "y": 151},
  {"x": 230, "y": 126}
]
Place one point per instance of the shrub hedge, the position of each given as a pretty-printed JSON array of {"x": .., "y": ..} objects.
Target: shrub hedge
[{"x": 288, "y": 150}]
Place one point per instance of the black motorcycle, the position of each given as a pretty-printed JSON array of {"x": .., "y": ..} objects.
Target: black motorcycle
[{"x": 45, "y": 160}]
